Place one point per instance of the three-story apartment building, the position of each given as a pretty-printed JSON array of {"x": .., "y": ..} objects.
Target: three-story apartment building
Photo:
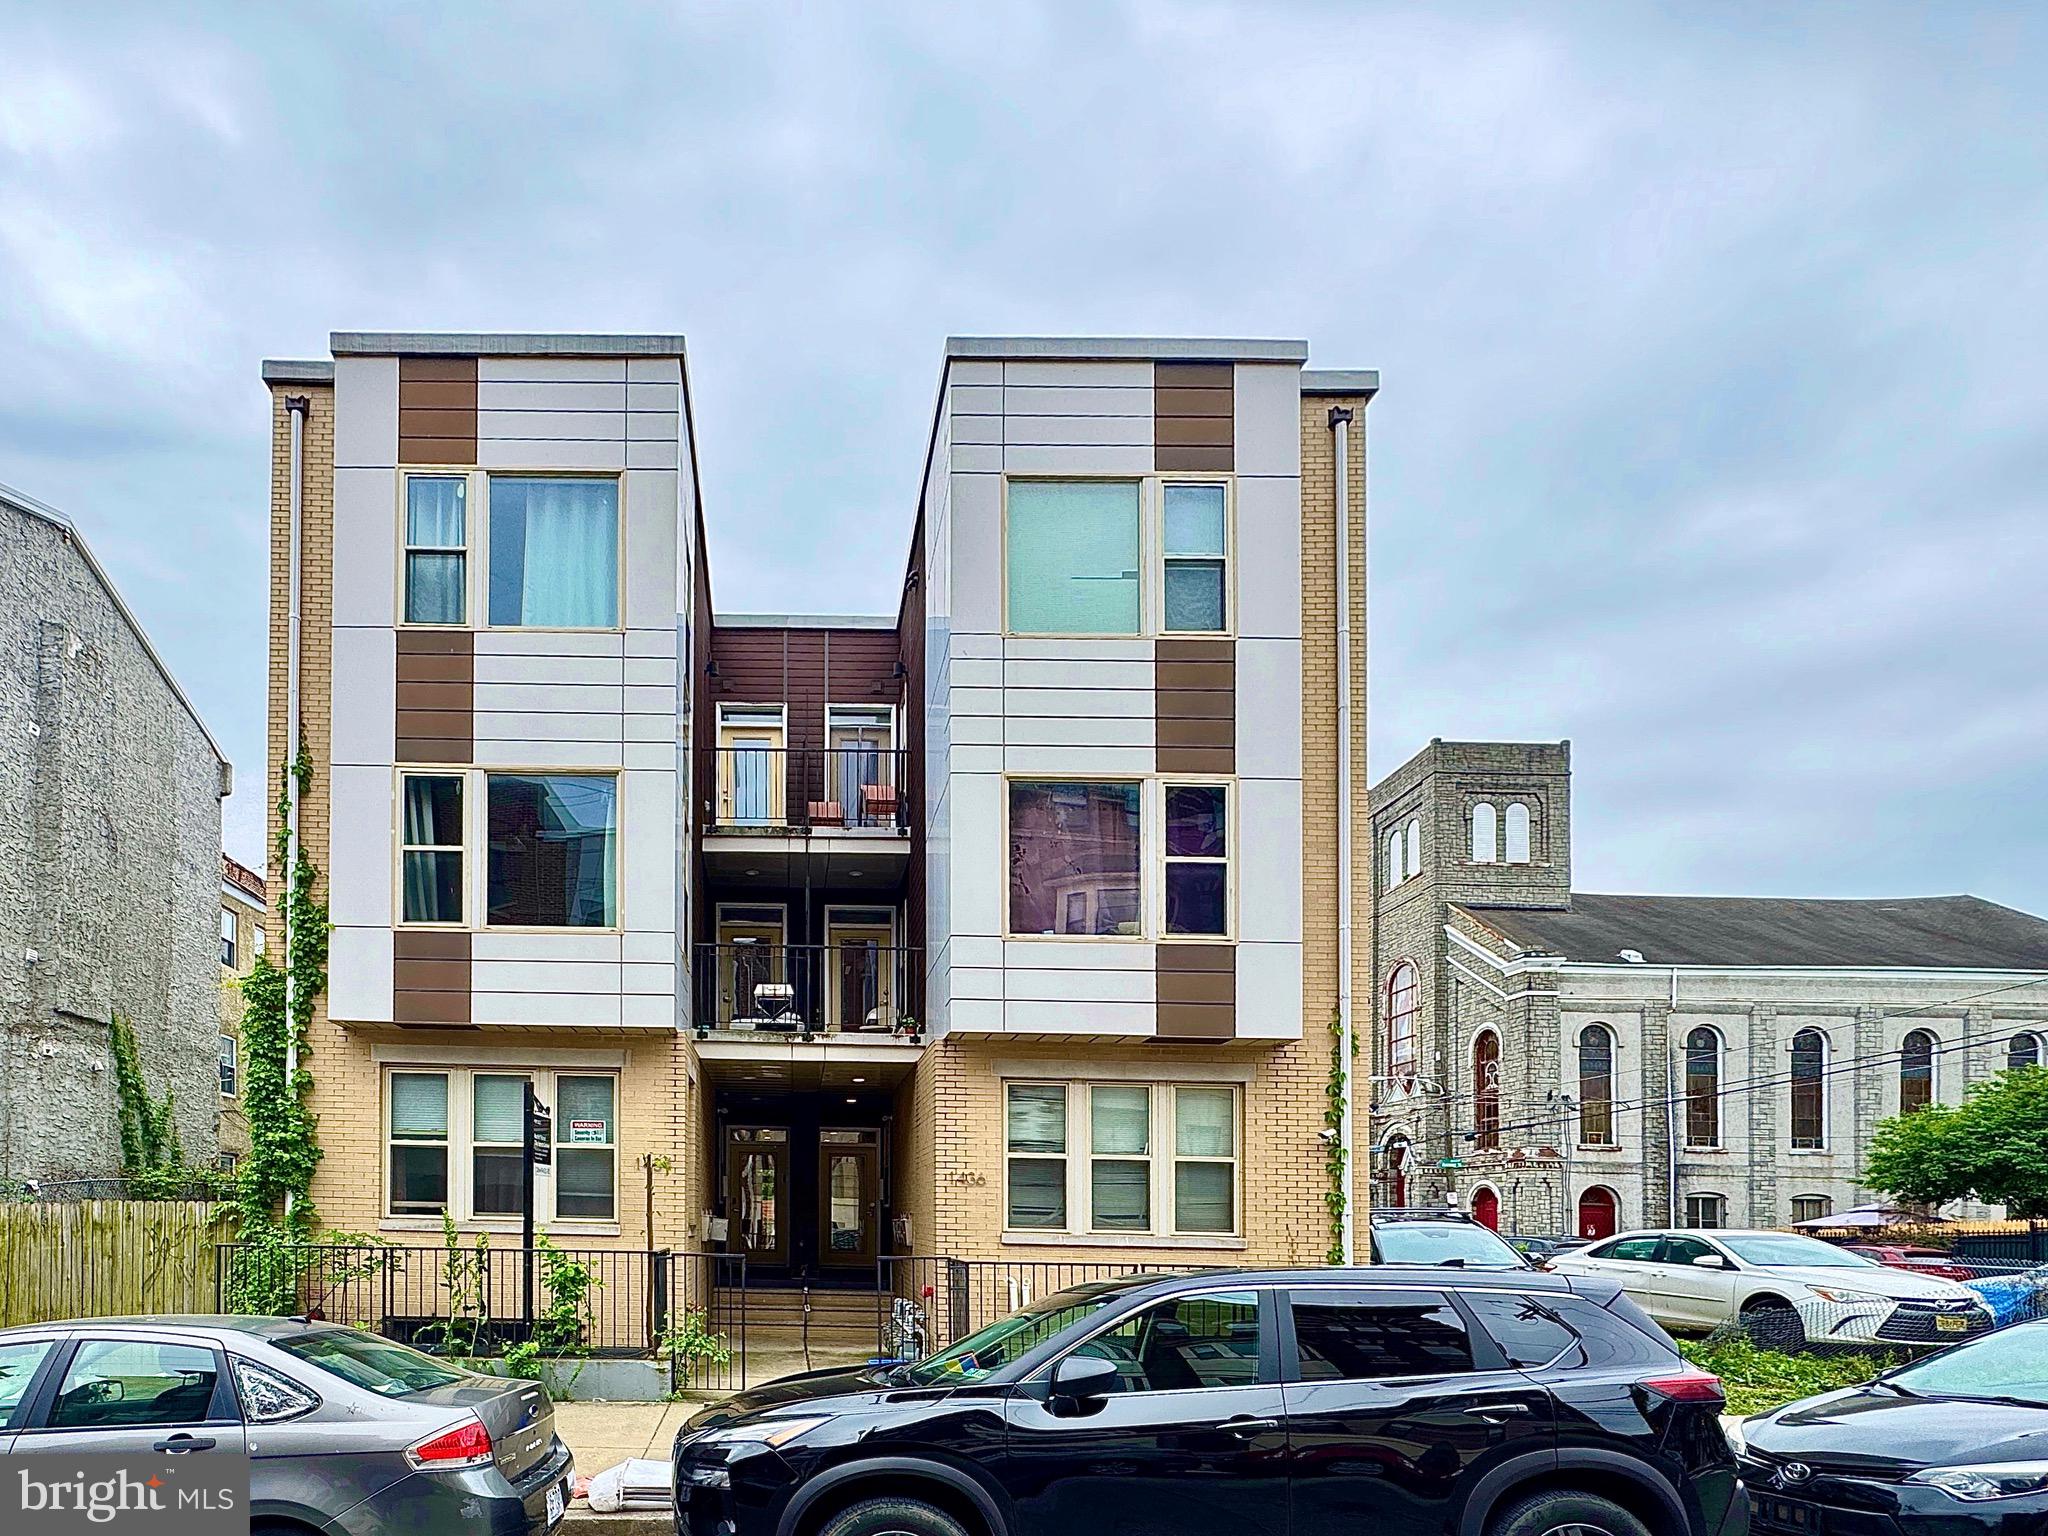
[{"x": 1005, "y": 925}]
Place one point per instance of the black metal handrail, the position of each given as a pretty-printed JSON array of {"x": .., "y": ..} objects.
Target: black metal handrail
[
  {"x": 928, "y": 1303},
  {"x": 853, "y": 788},
  {"x": 843, "y": 988}
]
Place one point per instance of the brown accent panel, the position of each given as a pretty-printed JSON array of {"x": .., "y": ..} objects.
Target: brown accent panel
[
  {"x": 430, "y": 1007},
  {"x": 1197, "y": 991},
  {"x": 430, "y": 976},
  {"x": 437, "y": 410},
  {"x": 436, "y": 696},
  {"x": 1205, "y": 704},
  {"x": 447, "y": 694},
  {"x": 1197, "y": 731},
  {"x": 1193, "y": 416},
  {"x": 1216, "y": 760},
  {"x": 1170, "y": 649},
  {"x": 1194, "y": 402},
  {"x": 1210, "y": 676},
  {"x": 1205, "y": 460},
  {"x": 1192, "y": 432},
  {"x": 430, "y": 944},
  {"x": 1193, "y": 375}
]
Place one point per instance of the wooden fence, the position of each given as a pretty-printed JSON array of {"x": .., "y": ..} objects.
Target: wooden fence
[{"x": 107, "y": 1258}]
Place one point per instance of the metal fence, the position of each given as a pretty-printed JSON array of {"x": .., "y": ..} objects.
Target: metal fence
[
  {"x": 474, "y": 1300},
  {"x": 809, "y": 989},
  {"x": 927, "y": 1304},
  {"x": 856, "y": 786}
]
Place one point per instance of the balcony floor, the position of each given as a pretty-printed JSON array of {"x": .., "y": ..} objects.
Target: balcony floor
[
  {"x": 857, "y": 858},
  {"x": 791, "y": 1063}
]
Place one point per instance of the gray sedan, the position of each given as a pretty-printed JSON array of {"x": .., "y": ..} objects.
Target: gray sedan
[{"x": 346, "y": 1432}]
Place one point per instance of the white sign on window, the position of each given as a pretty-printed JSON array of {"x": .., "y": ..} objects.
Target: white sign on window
[{"x": 587, "y": 1130}]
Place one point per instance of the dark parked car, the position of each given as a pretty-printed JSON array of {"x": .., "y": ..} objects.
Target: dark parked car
[
  {"x": 346, "y": 1433},
  {"x": 1287, "y": 1403},
  {"x": 1952, "y": 1444},
  {"x": 1424, "y": 1235}
]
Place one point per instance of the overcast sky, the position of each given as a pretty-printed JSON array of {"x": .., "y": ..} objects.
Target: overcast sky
[{"x": 1714, "y": 342}]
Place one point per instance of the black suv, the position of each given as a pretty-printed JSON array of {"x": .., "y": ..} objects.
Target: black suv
[
  {"x": 1282, "y": 1403},
  {"x": 1440, "y": 1236}
]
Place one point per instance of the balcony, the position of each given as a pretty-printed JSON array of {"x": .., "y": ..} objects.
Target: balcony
[
  {"x": 862, "y": 993},
  {"x": 842, "y": 806}
]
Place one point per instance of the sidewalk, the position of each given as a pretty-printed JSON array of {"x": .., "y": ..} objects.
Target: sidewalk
[{"x": 604, "y": 1434}]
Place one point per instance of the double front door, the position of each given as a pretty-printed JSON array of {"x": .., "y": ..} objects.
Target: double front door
[{"x": 794, "y": 1203}]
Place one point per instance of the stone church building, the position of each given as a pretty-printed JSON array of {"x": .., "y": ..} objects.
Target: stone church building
[{"x": 1555, "y": 1060}]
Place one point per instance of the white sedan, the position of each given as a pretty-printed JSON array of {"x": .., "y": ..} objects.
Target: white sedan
[{"x": 1783, "y": 1288}]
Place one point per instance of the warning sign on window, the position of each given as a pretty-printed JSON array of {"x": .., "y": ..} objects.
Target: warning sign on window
[{"x": 587, "y": 1130}]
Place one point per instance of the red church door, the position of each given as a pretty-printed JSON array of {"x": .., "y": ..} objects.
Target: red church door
[
  {"x": 1486, "y": 1209},
  {"x": 1597, "y": 1214}
]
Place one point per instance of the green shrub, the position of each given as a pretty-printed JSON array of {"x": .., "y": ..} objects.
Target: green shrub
[{"x": 1760, "y": 1379}]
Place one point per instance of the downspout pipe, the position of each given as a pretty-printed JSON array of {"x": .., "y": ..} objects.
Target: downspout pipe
[
  {"x": 1340, "y": 432},
  {"x": 296, "y": 407}
]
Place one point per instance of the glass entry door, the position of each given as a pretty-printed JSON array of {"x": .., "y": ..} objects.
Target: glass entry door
[
  {"x": 751, "y": 777},
  {"x": 757, "y": 1193},
  {"x": 849, "y": 1197},
  {"x": 861, "y": 969}
]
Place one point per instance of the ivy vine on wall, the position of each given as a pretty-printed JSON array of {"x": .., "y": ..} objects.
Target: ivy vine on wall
[
  {"x": 149, "y": 1139},
  {"x": 1335, "y": 1163}
]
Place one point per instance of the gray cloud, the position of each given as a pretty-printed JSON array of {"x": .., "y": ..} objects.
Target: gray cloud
[{"x": 1713, "y": 431}]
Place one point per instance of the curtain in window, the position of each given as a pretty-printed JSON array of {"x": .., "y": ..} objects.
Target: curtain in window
[
  {"x": 419, "y": 1106},
  {"x": 433, "y": 879},
  {"x": 1073, "y": 557},
  {"x": 555, "y": 553},
  {"x": 1038, "y": 1119},
  {"x": 1203, "y": 1123},
  {"x": 436, "y": 528},
  {"x": 500, "y": 1109}
]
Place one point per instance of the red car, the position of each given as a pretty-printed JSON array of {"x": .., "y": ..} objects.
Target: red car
[{"x": 1921, "y": 1261}]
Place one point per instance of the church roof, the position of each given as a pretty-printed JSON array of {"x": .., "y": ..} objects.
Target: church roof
[{"x": 1942, "y": 932}]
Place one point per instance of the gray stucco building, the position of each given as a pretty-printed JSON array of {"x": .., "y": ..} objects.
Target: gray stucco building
[
  {"x": 1556, "y": 1060},
  {"x": 110, "y": 822}
]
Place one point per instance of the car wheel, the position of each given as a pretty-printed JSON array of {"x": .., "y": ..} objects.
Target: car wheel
[
  {"x": 1771, "y": 1324},
  {"x": 892, "y": 1517},
  {"x": 1564, "y": 1513}
]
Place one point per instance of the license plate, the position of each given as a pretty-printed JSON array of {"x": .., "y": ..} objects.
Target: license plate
[
  {"x": 1946, "y": 1324},
  {"x": 554, "y": 1505},
  {"x": 1774, "y": 1515}
]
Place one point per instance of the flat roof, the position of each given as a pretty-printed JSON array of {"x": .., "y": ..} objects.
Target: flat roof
[
  {"x": 1203, "y": 349},
  {"x": 501, "y": 344},
  {"x": 296, "y": 370},
  {"x": 801, "y": 621},
  {"x": 1340, "y": 381}
]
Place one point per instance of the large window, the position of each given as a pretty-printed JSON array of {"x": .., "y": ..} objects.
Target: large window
[
  {"x": 1809, "y": 1090},
  {"x": 554, "y": 552},
  {"x": 430, "y": 848},
  {"x": 553, "y": 850},
  {"x": 1121, "y": 1158},
  {"x": 1197, "y": 535},
  {"x": 455, "y": 1137},
  {"x": 1916, "y": 1071},
  {"x": 1702, "y": 1089},
  {"x": 1197, "y": 859},
  {"x": 436, "y": 549},
  {"x": 1596, "y": 1086},
  {"x": 1486, "y": 1091},
  {"x": 1074, "y": 859},
  {"x": 1073, "y": 557},
  {"x": 1404, "y": 1009}
]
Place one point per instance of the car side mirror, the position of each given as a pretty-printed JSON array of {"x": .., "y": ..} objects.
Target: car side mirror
[
  {"x": 1710, "y": 1261},
  {"x": 1081, "y": 1380}
]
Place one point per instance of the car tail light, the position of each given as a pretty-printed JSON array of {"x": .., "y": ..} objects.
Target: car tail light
[
  {"x": 466, "y": 1445},
  {"x": 1686, "y": 1387}
]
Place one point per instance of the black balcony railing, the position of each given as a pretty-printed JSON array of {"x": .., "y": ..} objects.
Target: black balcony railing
[
  {"x": 809, "y": 989},
  {"x": 849, "y": 787}
]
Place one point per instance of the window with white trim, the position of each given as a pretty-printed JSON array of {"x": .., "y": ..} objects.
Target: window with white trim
[
  {"x": 430, "y": 839},
  {"x": 1195, "y": 543},
  {"x": 454, "y": 1137},
  {"x": 228, "y": 949},
  {"x": 436, "y": 549},
  {"x": 1517, "y": 833},
  {"x": 1157, "y": 1159},
  {"x": 1414, "y": 845},
  {"x": 1706, "y": 1212},
  {"x": 1395, "y": 859},
  {"x": 1485, "y": 833},
  {"x": 230, "y": 1067},
  {"x": 1197, "y": 860}
]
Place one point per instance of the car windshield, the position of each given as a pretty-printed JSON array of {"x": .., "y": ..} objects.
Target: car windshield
[
  {"x": 2012, "y": 1363},
  {"x": 1462, "y": 1243},
  {"x": 986, "y": 1351},
  {"x": 1784, "y": 1250},
  {"x": 377, "y": 1365}
]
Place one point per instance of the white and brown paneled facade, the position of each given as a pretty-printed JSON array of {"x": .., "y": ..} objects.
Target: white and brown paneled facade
[{"x": 999, "y": 926}]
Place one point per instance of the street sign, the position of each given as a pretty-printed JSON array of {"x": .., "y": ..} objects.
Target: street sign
[{"x": 1450, "y": 1162}]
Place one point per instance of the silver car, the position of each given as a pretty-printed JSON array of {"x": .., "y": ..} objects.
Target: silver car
[{"x": 345, "y": 1432}]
